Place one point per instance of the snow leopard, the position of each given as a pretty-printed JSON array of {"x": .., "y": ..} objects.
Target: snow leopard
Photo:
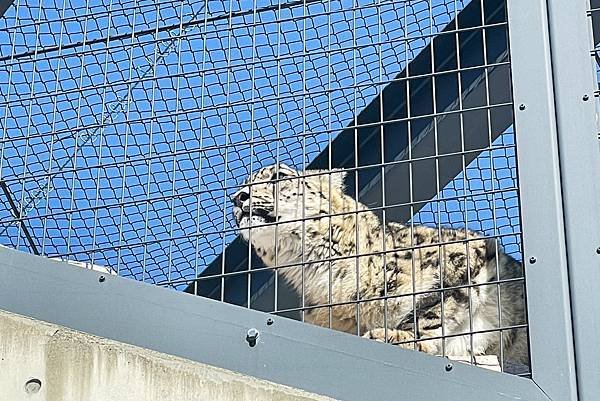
[{"x": 411, "y": 285}]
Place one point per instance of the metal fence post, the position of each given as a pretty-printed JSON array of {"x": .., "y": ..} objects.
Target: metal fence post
[
  {"x": 545, "y": 251},
  {"x": 574, "y": 85}
]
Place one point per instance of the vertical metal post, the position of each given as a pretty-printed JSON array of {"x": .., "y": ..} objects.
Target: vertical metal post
[
  {"x": 571, "y": 41},
  {"x": 545, "y": 253}
]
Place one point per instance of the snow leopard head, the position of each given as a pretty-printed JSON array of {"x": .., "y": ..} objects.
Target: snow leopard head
[{"x": 280, "y": 194}]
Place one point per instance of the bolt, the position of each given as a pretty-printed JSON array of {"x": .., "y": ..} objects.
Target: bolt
[
  {"x": 449, "y": 367},
  {"x": 252, "y": 336},
  {"x": 532, "y": 259},
  {"x": 270, "y": 321},
  {"x": 521, "y": 107},
  {"x": 586, "y": 98},
  {"x": 32, "y": 386},
  {"x": 101, "y": 279}
]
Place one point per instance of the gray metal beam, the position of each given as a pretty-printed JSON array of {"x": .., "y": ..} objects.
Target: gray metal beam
[
  {"x": 314, "y": 359},
  {"x": 547, "y": 281},
  {"x": 595, "y": 14},
  {"x": 576, "y": 112},
  {"x": 4, "y": 5}
]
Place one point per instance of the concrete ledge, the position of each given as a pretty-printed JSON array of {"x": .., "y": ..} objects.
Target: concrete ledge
[{"x": 74, "y": 366}]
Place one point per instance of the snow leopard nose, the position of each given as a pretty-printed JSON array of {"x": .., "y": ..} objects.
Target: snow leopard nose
[{"x": 240, "y": 197}]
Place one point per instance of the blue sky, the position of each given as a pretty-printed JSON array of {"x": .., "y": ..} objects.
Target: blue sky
[{"x": 226, "y": 96}]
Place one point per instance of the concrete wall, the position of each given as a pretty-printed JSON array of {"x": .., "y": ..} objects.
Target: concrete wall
[{"x": 73, "y": 366}]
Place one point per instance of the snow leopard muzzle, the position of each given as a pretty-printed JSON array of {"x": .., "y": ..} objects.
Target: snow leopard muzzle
[{"x": 257, "y": 213}]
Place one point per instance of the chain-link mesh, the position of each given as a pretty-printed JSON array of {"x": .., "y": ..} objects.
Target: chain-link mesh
[{"x": 127, "y": 125}]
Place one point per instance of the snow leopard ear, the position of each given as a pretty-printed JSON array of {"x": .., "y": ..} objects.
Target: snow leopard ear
[
  {"x": 285, "y": 169},
  {"x": 284, "y": 166}
]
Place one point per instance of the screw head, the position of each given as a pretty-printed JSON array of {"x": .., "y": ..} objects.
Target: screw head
[
  {"x": 32, "y": 386},
  {"x": 586, "y": 98},
  {"x": 101, "y": 279},
  {"x": 252, "y": 336},
  {"x": 532, "y": 259},
  {"x": 449, "y": 367},
  {"x": 270, "y": 321},
  {"x": 522, "y": 106}
]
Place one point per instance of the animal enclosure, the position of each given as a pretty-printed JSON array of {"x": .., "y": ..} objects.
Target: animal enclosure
[{"x": 129, "y": 129}]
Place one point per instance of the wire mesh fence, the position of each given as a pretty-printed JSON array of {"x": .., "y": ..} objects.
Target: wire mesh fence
[{"x": 128, "y": 126}]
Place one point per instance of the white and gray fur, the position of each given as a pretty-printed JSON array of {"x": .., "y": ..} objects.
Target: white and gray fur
[{"x": 305, "y": 221}]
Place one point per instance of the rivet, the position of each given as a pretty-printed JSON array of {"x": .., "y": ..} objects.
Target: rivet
[
  {"x": 270, "y": 321},
  {"x": 532, "y": 259},
  {"x": 101, "y": 279},
  {"x": 586, "y": 98},
  {"x": 449, "y": 367},
  {"x": 252, "y": 336},
  {"x": 521, "y": 107},
  {"x": 32, "y": 386}
]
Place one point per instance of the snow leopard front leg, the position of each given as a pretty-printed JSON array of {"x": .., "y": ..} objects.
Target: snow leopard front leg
[
  {"x": 403, "y": 278},
  {"x": 406, "y": 339}
]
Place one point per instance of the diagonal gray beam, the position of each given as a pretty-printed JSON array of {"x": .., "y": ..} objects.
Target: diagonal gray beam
[
  {"x": 4, "y": 5},
  {"x": 595, "y": 15}
]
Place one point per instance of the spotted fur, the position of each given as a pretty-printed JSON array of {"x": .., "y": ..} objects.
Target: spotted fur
[{"x": 405, "y": 277}]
